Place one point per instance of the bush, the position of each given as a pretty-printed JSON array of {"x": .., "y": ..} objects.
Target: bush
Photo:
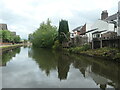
[
  {"x": 57, "y": 45},
  {"x": 44, "y": 36},
  {"x": 86, "y": 47},
  {"x": 80, "y": 49}
]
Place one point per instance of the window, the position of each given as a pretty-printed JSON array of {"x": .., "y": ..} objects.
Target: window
[{"x": 98, "y": 35}]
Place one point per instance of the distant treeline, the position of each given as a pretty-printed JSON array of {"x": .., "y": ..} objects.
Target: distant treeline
[{"x": 8, "y": 37}]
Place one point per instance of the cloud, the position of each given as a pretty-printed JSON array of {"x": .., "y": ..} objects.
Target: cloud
[{"x": 24, "y": 16}]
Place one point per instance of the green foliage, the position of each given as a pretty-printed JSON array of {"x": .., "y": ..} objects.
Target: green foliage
[
  {"x": 25, "y": 41},
  {"x": 45, "y": 35},
  {"x": 57, "y": 45},
  {"x": 80, "y": 49},
  {"x": 16, "y": 39},
  {"x": 63, "y": 32},
  {"x": 110, "y": 53},
  {"x": 7, "y": 36},
  {"x": 30, "y": 37},
  {"x": 117, "y": 56}
]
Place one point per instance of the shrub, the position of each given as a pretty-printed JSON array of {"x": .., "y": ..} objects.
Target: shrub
[
  {"x": 44, "y": 36},
  {"x": 57, "y": 45},
  {"x": 79, "y": 49}
]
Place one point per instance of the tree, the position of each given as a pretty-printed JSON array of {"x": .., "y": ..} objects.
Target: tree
[
  {"x": 30, "y": 36},
  {"x": 45, "y": 35},
  {"x": 7, "y": 36},
  {"x": 16, "y": 39},
  {"x": 25, "y": 41},
  {"x": 63, "y": 32}
]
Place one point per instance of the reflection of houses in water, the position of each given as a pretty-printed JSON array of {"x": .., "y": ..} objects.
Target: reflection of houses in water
[
  {"x": 101, "y": 81},
  {"x": 85, "y": 71},
  {"x": 108, "y": 72}
]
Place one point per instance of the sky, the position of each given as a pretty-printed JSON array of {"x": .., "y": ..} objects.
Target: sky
[{"x": 25, "y": 16}]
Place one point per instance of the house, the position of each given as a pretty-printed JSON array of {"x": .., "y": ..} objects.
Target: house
[
  {"x": 79, "y": 37},
  {"x": 115, "y": 19},
  {"x": 3, "y": 27},
  {"x": 97, "y": 28},
  {"x": 109, "y": 35},
  {"x": 76, "y": 31},
  {"x": 107, "y": 25},
  {"x": 13, "y": 33},
  {"x": 102, "y": 27}
]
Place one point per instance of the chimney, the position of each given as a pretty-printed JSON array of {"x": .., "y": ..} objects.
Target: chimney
[{"x": 104, "y": 15}]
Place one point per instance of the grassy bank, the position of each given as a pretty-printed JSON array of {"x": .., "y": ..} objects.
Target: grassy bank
[
  {"x": 106, "y": 52},
  {"x": 9, "y": 47}
]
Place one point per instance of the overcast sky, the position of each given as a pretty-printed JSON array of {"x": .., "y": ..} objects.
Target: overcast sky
[{"x": 25, "y": 16}]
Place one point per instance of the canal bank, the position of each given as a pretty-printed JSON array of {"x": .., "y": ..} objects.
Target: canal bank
[
  {"x": 106, "y": 53},
  {"x": 9, "y": 47}
]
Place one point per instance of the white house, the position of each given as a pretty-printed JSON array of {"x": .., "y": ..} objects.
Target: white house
[
  {"x": 102, "y": 27},
  {"x": 88, "y": 29},
  {"x": 89, "y": 35},
  {"x": 105, "y": 24}
]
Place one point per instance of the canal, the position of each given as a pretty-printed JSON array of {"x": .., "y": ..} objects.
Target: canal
[{"x": 28, "y": 67}]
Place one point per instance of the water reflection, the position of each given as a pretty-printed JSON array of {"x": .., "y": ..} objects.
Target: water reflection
[
  {"x": 46, "y": 68},
  {"x": 8, "y": 55},
  {"x": 44, "y": 58},
  {"x": 103, "y": 73},
  {"x": 63, "y": 66}
]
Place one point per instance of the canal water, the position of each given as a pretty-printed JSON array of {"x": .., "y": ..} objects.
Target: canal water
[{"x": 28, "y": 67}]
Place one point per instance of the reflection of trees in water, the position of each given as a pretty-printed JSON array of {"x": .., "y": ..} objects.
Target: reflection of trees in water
[
  {"x": 45, "y": 59},
  {"x": 50, "y": 60},
  {"x": 95, "y": 68},
  {"x": 7, "y": 56},
  {"x": 63, "y": 66},
  {"x": 25, "y": 46}
]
